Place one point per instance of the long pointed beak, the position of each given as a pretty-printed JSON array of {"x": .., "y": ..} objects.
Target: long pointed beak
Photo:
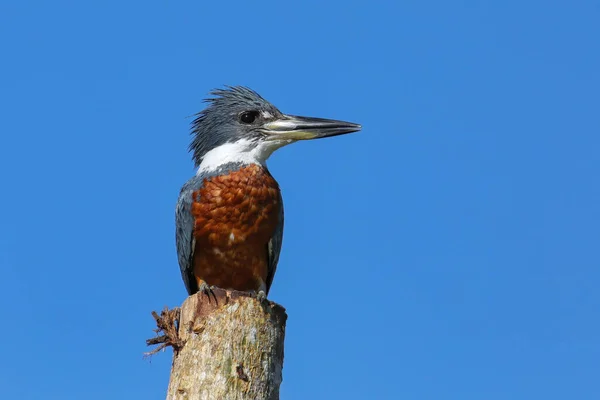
[{"x": 291, "y": 127}]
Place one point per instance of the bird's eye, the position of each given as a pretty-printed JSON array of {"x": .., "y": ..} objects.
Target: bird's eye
[{"x": 248, "y": 117}]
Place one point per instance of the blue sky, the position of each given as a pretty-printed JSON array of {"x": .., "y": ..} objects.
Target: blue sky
[{"x": 449, "y": 250}]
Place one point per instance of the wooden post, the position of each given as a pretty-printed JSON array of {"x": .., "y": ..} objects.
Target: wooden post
[{"x": 228, "y": 347}]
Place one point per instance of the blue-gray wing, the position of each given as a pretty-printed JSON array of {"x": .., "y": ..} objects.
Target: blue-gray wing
[
  {"x": 274, "y": 247},
  {"x": 184, "y": 233}
]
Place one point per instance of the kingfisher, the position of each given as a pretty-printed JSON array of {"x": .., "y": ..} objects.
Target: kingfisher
[{"x": 229, "y": 216}]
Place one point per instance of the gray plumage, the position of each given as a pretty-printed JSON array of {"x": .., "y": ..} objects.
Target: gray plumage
[
  {"x": 218, "y": 123},
  {"x": 274, "y": 248},
  {"x": 184, "y": 232}
]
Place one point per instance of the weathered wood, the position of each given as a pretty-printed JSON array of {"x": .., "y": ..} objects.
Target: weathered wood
[{"x": 232, "y": 348}]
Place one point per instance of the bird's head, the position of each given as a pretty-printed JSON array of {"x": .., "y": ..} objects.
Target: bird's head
[{"x": 240, "y": 126}]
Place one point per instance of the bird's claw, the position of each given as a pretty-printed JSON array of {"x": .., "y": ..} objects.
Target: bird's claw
[
  {"x": 261, "y": 296},
  {"x": 208, "y": 291}
]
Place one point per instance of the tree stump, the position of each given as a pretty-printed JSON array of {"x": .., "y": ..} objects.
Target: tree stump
[{"x": 229, "y": 346}]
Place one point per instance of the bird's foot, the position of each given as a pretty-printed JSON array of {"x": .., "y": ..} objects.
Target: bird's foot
[
  {"x": 261, "y": 296},
  {"x": 207, "y": 290},
  {"x": 261, "y": 292}
]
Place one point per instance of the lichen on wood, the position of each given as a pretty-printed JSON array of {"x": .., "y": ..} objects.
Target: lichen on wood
[{"x": 229, "y": 346}]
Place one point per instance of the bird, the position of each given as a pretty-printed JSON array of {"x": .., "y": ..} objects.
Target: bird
[{"x": 229, "y": 216}]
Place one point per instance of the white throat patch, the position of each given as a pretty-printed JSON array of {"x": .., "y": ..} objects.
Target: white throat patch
[{"x": 243, "y": 151}]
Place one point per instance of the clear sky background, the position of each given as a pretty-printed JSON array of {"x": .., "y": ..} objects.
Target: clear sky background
[{"x": 450, "y": 250}]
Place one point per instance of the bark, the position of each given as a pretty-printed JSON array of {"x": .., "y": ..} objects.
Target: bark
[{"x": 231, "y": 348}]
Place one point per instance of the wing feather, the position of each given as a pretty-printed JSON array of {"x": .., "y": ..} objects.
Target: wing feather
[
  {"x": 274, "y": 248},
  {"x": 184, "y": 232}
]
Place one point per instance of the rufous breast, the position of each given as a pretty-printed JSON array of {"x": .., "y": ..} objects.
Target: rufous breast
[{"x": 235, "y": 216}]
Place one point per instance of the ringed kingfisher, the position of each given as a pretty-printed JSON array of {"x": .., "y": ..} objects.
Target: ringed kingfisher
[{"x": 229, "y": 216}]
